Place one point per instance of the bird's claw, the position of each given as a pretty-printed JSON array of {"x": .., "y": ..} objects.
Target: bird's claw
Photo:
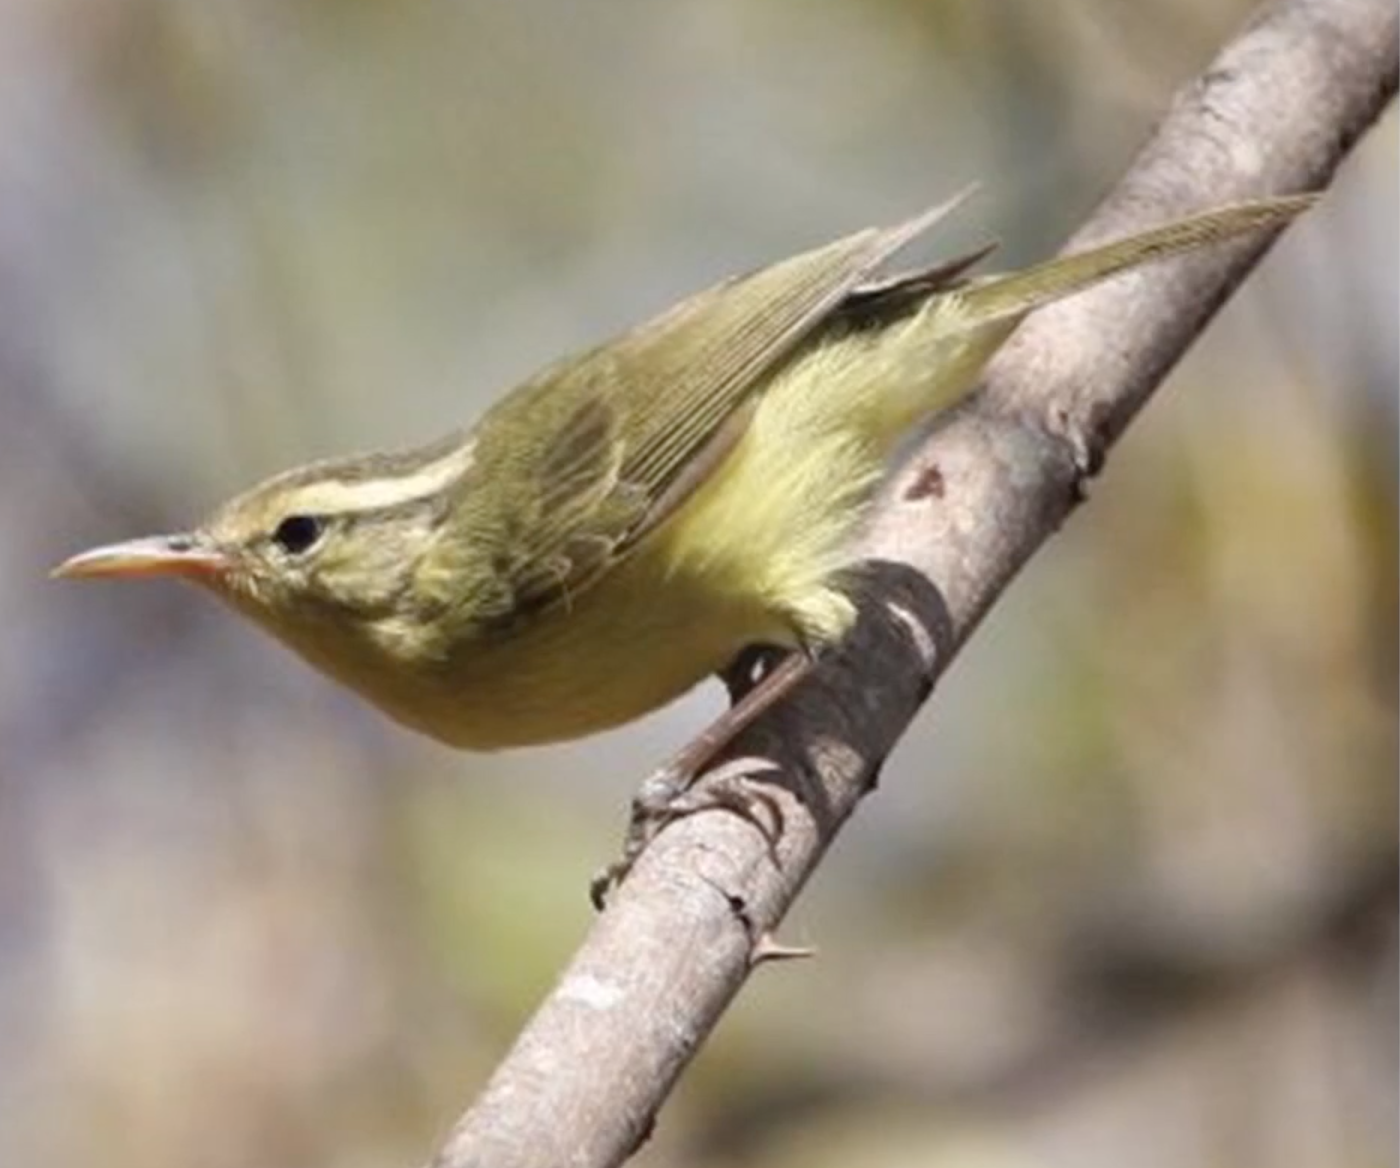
[{"x": 669, "y": 794}]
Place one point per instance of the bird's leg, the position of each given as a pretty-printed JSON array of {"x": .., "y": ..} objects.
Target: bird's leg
[
  {"x": 750, "y": 666},
  {"x": 668, "y": 793}
]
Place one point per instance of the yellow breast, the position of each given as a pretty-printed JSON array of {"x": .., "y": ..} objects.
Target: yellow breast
[{"x": 749, "y": 558}]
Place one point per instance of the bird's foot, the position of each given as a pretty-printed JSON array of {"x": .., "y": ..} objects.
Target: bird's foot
[{"x": 671, "y": 793}]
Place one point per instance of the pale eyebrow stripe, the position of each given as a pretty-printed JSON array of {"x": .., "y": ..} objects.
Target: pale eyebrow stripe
[{"x": 372, "y": 494}]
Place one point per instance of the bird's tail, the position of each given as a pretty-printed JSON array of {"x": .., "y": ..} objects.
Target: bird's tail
[
  {"x": 937, "y": 355},
  {"x": 1015, "y": 294}
]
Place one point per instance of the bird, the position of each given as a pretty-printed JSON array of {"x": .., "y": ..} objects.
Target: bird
[{"x": 630, "y": 519}]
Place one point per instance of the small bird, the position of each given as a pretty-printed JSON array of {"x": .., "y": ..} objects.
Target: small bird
[{"x": 630, "y": 519}]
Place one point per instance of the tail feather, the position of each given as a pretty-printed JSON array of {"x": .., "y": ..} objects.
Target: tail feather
[
  {"x": 1017, "y": 293},
  {"x": 922, "y": 364}
]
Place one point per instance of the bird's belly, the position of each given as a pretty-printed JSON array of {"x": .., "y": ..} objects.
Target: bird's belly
[
  {"x": 749, "y": 558},
  {"x": 633, "y": 642}
]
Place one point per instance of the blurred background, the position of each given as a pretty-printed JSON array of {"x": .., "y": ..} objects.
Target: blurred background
[{"x": 1127, "y": 894}]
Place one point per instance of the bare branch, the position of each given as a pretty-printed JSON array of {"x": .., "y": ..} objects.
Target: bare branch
[{"x": 1277, "y": 111}]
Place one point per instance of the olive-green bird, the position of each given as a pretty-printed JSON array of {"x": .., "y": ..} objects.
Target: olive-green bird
[{"x": 627, "y": 521}]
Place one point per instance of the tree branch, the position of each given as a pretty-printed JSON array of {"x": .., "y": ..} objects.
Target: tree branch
[{"x": 1277, "y": 111}]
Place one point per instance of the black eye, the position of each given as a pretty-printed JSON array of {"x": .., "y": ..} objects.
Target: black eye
[{"x": 296, "y": 533}]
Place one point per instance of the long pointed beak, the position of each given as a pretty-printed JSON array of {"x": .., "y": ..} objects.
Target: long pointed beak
[{"x": 158, "y": 555}]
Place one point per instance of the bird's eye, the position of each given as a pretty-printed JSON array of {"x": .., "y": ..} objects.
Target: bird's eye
[{"x": 296, "y": 533}]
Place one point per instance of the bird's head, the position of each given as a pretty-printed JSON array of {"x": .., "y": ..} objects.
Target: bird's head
[{"x": 325, "y": 557}]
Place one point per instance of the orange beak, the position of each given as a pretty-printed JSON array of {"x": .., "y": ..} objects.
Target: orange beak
[{"x": 189, "y": 556}]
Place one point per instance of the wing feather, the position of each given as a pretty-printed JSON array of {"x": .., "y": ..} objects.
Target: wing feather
[{"x": 615, "y": 435}]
